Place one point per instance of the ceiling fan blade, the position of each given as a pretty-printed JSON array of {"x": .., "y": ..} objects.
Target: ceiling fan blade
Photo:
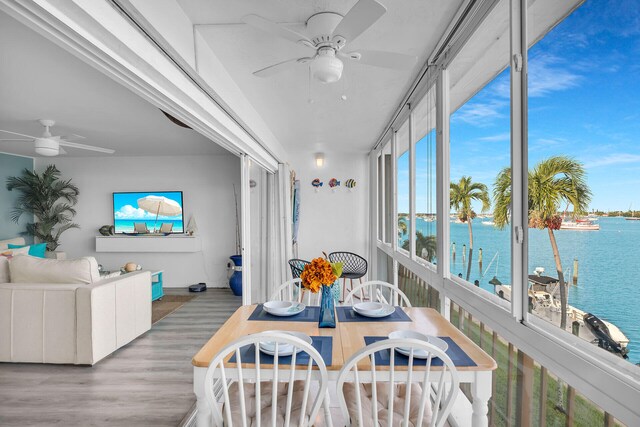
[
  {"x": 275, "y": 29},
  {"x": 29, "y": 140},
  {"x": 72, "y": 137},
  {"x": 279, "y": 67},
  {"x": 361, "y": 16},
  {"x": 376, "y": 58},
  {"x": 19, "y": 134},
  {"x": 86, "y": 147}
]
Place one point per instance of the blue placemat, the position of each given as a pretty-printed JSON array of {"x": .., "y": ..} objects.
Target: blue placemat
[
  {"x": 324, "y": 345},
  {"x": 455, "y": 353},
  {"x": 309, "y": 314},
  {"x": 347, "y": 314}
]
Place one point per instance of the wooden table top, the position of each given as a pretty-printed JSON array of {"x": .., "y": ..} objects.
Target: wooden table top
[{"x": 347, "y": 337}]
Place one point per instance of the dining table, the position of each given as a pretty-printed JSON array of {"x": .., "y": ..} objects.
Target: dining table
[{"x": 352, "y": 333}]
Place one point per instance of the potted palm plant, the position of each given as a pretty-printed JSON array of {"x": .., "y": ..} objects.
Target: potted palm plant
[{"x": 49, "y": 200}]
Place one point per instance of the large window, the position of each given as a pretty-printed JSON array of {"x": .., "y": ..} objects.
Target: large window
[
  {"x": 424, "y": 138},
  {"x": 584, "y": 106},
  {"x": 480, "y": 142},
  {"x": 402, "y": 174}
]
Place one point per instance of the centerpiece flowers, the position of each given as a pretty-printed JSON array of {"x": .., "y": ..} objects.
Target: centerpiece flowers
[{"x": 320, "y": 275}]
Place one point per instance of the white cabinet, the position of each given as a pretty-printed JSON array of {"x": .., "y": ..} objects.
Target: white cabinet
[{"x": 170, "y": 243}]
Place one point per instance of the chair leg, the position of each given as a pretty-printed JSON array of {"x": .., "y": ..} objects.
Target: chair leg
[
  {"x": 344, "y": 285},
  {"x": 362, "y": 295}
]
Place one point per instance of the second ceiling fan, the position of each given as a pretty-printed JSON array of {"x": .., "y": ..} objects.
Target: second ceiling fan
[{"x": 329, "y": 33}]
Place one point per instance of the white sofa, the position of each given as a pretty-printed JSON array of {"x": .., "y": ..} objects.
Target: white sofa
[{"x": 74, "y": 323}]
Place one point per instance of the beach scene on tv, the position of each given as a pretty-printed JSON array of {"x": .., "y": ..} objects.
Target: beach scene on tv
[{"x": 148, "y": 212}]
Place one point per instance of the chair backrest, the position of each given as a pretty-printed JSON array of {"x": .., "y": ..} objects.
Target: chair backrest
[
  {"x": 166, "y": 227},
  {"x": 292, "y": 290},
  {"x": 221, "y": 375},
  {"x": 429, "y": 392},
  {"x": 351, "y": 263},
  {"x": 140, "y": 227},
  {"x": 297, "y": 265},
  {"x": 378, "y": 291}
]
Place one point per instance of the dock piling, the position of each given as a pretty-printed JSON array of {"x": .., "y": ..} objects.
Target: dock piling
[{"x": 575, "y": 271}]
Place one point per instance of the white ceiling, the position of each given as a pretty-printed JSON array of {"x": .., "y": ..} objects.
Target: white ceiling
[
  {"x": 38, "y": 79},
  {"x": 328, "y": 123}
]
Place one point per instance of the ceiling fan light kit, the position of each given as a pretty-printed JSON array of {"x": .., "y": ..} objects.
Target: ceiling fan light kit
[
  {"x": 326, "y": 67},
  {"x": 47, "y": 147}
]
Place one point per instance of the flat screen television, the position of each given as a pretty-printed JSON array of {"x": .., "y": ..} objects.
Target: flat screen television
[{"x": 159, "y": 211}]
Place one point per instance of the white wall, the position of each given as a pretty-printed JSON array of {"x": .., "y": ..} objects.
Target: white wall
[
  {"x": 206, "y": 182},
  {"x": 333, "y": 221}
]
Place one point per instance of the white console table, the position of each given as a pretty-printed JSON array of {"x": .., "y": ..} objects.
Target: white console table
[{"x": 170, "y": 243}]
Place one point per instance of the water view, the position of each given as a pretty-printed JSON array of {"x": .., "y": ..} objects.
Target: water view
[{"x": 607, "y": 258}]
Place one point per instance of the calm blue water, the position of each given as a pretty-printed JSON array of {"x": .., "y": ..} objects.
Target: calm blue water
[
  {"x": 609, "y": 268},
  {"x": 126, "y": 225}
]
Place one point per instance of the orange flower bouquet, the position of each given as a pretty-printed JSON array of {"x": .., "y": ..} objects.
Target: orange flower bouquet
[
  {"x": 320, "y": 272},
  {"x": 319, "y": 276}
]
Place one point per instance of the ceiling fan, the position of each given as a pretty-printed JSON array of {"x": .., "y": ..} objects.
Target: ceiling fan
[
  {"x": 329, "y": 33},
  {"x": 51, "y": 145}
]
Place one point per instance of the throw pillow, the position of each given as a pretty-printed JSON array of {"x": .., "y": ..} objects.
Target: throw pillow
[{"x": 36, "y": 250}]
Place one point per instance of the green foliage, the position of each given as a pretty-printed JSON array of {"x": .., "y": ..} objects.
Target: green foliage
[
  {"x": 553, "y": 183},
  {"x": 336, "y": 267},
  {"x": 463, "y": 193},
  {"x": 425, "y": 246},
  {"x": 49, "y": 199}
]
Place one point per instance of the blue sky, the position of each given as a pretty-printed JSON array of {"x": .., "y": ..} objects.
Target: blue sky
[
  {"x": 125, "y": 205},
  {"x": 584, "y": 101}
]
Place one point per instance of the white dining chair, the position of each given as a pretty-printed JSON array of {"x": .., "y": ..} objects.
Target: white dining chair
[
  {"x": 292, "y": 290},
  {"x": 378, "y": 291},
  {"x": 276, "y": 396},
  {"x": 410, "y": 395}
]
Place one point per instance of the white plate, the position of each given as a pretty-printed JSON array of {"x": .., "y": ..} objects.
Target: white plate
[
  {"x": 418, "y": 354},
  {"x": 384, "y": 310},
  {"x": 283, "y": 349},
  {"x": 295, "y": 308}
]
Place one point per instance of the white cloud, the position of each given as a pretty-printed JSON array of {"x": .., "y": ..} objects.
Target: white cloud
[
  {"x": 131, "y": 213},
  {"x": 613, "y": 159},
  {"x": 506, "y": 136},
  {"x": 547, "y": 74},
  {"x": 479, "y": 113}
]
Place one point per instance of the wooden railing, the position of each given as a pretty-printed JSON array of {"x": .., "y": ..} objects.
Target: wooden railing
[{"x": 525, "y": 393}]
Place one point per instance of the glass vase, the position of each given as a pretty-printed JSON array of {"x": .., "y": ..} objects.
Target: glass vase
[{"x": 327, "y": 308}]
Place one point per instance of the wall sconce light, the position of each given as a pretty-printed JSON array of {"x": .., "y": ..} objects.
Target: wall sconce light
[{"x": 319, "y": 160}]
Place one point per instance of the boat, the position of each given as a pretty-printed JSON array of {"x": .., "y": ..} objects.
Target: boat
[
  {"x": 601, "y": 331},
  {"x": 581, "y": 224},
  {"x": 488, "y": 223},
  {"x": 544, "y": 302}
]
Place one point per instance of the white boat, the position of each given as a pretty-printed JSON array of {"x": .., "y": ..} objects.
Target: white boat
[
  {"x": 544, "y": 300},
  {"x": 488, "y": 223},
  {"x": 581, "y": 224}
]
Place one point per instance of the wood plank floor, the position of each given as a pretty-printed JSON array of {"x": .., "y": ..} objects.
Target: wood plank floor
[{"x": 148, "y": 382}]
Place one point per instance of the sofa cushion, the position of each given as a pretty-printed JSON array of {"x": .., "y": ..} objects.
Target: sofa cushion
[
  {"x": 4, "y": 244},
  {"x": 4, "y": 270},
  {"x": 37, "y": 250},
  {"x": 27, "y": 269}
]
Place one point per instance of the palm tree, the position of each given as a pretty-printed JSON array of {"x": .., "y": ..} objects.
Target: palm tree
[
  {"x": 47, "y": 198},
  {"x": 425, "y": 246},
  {"x": 553, "y": 182},
  {"x": 402, "y": 227},
  {"x": 461, "y": 196}
]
